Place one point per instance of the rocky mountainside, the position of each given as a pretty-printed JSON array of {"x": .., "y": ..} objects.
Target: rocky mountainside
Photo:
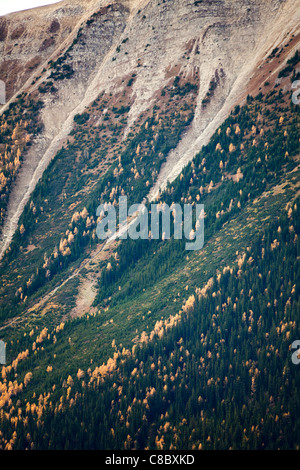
[
  {"x": 95, "y": 46},
  {"x": 139, "y": 344}
]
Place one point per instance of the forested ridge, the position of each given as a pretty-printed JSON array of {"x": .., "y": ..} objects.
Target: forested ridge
[{"x": 222, "y": 377}]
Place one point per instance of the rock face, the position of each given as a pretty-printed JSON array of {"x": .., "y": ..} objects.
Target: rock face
[
  {"x": 27, "y": 40},
  {"x": 86, "y": 47}
]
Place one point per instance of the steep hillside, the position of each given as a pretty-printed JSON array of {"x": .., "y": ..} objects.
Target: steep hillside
[
  {"x": 28, "y": 39},
  {"x": 221, "y": 48},
  {"x": 185, "y": 102},
  {"x": 216, "y": 375}
]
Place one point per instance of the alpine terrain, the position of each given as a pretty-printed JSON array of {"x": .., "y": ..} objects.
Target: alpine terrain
[{"x": 142, "y": 344}]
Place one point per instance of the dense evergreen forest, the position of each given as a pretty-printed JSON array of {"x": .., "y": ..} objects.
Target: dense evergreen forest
[{"x": 222, "y": 377}]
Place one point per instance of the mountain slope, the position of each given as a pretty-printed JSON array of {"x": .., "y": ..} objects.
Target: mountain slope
[
  {"x": 216, "y": 376},
  {"x": 223, "y": 45},
  {"x": 182, "y": 342}
]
